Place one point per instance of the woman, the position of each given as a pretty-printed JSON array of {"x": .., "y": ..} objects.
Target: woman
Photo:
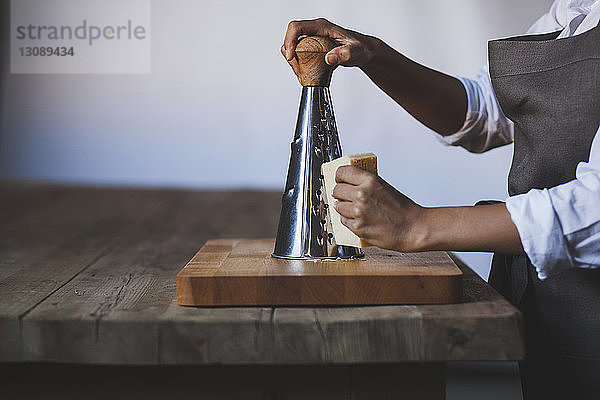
[{"x": 542, "y": 91}]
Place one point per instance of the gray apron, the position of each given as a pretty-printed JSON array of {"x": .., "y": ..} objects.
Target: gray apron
[{"x": 550, "y": 89}]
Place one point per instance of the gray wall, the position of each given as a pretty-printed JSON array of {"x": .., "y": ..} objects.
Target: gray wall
[{"x": 219, "y": 108}]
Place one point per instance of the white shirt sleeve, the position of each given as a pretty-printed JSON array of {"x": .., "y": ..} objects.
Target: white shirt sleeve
[
  {"x": 485, "y": 125},
  {"x": 560, "y": 227}
]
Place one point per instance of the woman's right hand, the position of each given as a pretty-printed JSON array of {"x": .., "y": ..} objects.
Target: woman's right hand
[{"x": 355, "y": 48}]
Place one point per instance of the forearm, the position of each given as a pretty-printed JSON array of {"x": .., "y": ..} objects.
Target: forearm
[
  {"x": 478, "y": 228},
  {"x": 437, "y": 100}
]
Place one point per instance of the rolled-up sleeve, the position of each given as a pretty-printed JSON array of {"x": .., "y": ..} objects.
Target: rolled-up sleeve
[
  {"x": 560, "y": 227},
  {"x": 485, "y": 125}
]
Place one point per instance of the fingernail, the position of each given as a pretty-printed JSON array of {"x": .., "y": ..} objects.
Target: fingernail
[{"x": 332, "y": 59}]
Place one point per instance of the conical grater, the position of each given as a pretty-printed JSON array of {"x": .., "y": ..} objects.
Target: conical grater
[{"x": 303, "y": 228}]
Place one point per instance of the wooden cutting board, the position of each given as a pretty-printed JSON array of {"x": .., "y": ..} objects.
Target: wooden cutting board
[{"x": 241, "y": 272}]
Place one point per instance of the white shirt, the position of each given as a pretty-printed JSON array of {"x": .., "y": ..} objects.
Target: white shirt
[{"x": 560, "y": 226}]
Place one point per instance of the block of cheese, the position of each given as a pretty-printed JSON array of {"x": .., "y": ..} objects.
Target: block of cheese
[{"x": 342, "y": 236}]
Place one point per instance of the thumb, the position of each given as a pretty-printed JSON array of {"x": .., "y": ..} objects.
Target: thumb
[{"x": 342, "y": 55}]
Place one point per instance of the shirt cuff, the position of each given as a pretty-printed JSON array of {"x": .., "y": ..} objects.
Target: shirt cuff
[
  {"x": 474, "y": 119},
  {"x": 540, "y": 232}
]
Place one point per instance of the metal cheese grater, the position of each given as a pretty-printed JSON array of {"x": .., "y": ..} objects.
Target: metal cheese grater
[{"x": 303, "y": 229}]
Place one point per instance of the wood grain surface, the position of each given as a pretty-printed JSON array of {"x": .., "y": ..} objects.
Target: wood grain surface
[
  {"x": 310, "y": 52},
  {"x": 87, "y": 275},
  {"x": 243, "y": 272}
]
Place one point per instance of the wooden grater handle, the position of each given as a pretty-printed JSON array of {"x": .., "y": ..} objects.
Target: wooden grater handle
[{"x": 310, "y": 52}]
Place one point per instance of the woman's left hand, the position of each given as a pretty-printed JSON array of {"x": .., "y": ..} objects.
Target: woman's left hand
[{"x": 376, "y": 212}]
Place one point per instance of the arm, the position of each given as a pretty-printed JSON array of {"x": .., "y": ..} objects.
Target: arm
[
  {"x": 463, "y": 112},
  {"x": 486, "y": 126},
  {"x": 437, "y": 100},
  {"x": 557, "y": 228},
  {"x": 384, "y": 217},
  {"x": 560, "y": 226}
]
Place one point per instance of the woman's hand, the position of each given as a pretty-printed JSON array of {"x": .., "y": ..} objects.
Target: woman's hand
[
  {"x": 384, "y": 217},
  {"x": 378, "y": 213},
  {"x": 355, "y": 48}
]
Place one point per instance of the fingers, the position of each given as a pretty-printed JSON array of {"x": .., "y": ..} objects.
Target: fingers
[
  {"x": 344, "y": 192},
  {"x": 348, "y": 209},
  {"x": 352, "y": 175},
  {"x": 355, "y": 225},
  {"x": 295, "y": 29},
  {"x": 293, "y": 62},
  {"x": 345, "y": 54},
  {"x": 289, "y": 42},
  {"x": 347, "y": 222}
]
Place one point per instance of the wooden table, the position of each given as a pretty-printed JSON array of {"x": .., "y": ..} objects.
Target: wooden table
[{"x": 87, "y": 280}]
